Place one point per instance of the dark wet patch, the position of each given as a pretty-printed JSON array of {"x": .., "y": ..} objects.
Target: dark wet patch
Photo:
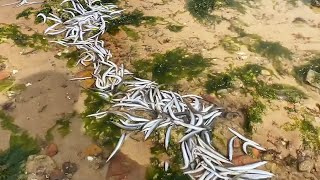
[
  {"x": 168, "y": 68},
  {"x": 35, "y": 41}
]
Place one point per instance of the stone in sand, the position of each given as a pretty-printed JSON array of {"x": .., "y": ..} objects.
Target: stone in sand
[
  {"x": 313, "y": 78},
  {"x": 51, "y": 150}
]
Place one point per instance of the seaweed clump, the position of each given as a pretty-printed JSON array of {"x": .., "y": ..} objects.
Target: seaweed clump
[
  {"x": 248, "y": 75},
  {"x": 310, "y": 134},
  {"x": 254, "y": 43},
  {"x": 12, "y": 160},
  {"x": 35, "y": 41},
  {"x": 101, "y": 130},
  {"x": 156, "y": 170},
  {"x": 71, "y": 57},
  {"x": 253, "y": 115},
  {"x": 135, "y": 18},
  {"x": 62, "y": 125},
  {"x": 172, "y": 66},
  {"x": 25, "y": 13}
]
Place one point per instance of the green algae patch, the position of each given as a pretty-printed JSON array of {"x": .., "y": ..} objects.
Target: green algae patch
[
  {"x": 6, "y": 84},
  {"x": 134, "y": 18},
  {"x": 248, "y": 75},
  {"x": 202, "y": 10},
  {"x": 219, "y": 81},
  {"x": 6, "y": 123},
  {"x": 12, "y": 161},
  {"x": 172, "y": 66},
  {"x": 35, "y": 41},
  {"x": 62, "y": 126},
  {"x": 174, "y": 28},
  {"x": 132, "y": 34},
  {"x": 230, "y": 44},
  {"x": 281, "y": 91},
  {"x": 274, "y": 51},
  {"x": 156, "y": 170},
  {"x": 25, "y": 13},
  {"x": 253, "y": 115},
  {"x": 309, "y": 133},
  {"x": 271, "y": 50},
  {"x": 101, "y": 130},
  {"x": 300, "y": 72},
  {"x": 71, "y": 57}
]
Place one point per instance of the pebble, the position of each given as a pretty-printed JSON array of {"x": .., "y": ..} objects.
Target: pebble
[
  {"x": 57, "y": 175},
  {"x": 92, "y": 150},
  {"x": 306, "y": 165},
  {"x": 265, "y": 72},
  {"x": 51, "y": 150},
  {"x": 4, "y": 75},
  {"x": 69, "y": 167}
]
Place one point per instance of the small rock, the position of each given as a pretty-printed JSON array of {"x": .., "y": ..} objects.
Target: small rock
[
  {"x": 265, "y": 72},
  {"x": 40, "y": 165},
  {"x": 242, "y": 160},
  {"x": 306, "y": 165},
  {"x": 57, "y": 175},
  {"x": 222, "y": 91},
  {"x": 315, "y": 3},
  {"x": 313, "y": 78},
  {"x": 69, "y": 167},
  {"x": 92, "y": 150},
  {"x": 14, "y": 71},
  {"x": 51, "y": 150},
  {"x": 4, "y": 75}
]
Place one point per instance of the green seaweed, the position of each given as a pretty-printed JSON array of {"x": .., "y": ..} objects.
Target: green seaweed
[
  {"x": 202, "y": 9},
  {"x": 134, "y": 18},
  {"x": 132, "y": 34},
  {"x": 218, "y": 81},
  {"x": 175, "y": 28},
  {"x": 300, "y": 72},
  {"x": 71, "y": 57},
  {"x": 62, "y": 125},
  {"x": 6, "y": 123},
  {"x": 101, "y": 130},
  {"x": 248, "y": 75},
  {"x": 172, "y": 66},
  {"x": 253, "y": 115},
  {"x": 155, "y": 171},
  {"x": 6, "y": 84},
  {"x": 310, "y": 134},
  {"x": 271, "y": 50},
  {"x": 35, "y": 41},
  {"x": 45, "y": 9},
  {"x": 230, "y": 44},
  {"x": 12, "y": 161},
  {"x": 25, "y": 13}
]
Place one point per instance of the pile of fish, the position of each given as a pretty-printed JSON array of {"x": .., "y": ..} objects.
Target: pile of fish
[
  {"x": 141, "y": 105},
  {"x": 21, "y": 3}
]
